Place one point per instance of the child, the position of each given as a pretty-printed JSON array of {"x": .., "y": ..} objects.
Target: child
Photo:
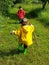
[
  {"x": 20, "y": 14},
  {"x": 24, "y": 34}
]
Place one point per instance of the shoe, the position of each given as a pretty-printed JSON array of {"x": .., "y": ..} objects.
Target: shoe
[
  {"x": 24, "y": 51},
  {"x": 20, "y": 47}
]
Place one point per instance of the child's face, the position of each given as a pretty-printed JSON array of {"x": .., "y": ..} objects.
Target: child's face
[
  {"x": 20, "y": 8},
  {"x": 24, "y": 23}
]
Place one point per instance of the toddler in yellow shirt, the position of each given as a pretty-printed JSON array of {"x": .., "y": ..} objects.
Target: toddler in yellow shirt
[{"x": 25, "y": 34}]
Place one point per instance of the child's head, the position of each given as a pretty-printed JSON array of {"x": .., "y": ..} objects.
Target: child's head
[
  {"x": 20, "y": 7},
  {"x": 24, "y": 21}
]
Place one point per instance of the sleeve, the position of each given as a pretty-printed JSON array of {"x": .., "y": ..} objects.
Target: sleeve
[
  {"x": 17, "y": 32},
  {"x": 32, "y": 28},
  {"x": 25, "y": 29}
]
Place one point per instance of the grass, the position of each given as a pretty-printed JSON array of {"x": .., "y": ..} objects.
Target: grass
[{"x": 36, "y": 55}]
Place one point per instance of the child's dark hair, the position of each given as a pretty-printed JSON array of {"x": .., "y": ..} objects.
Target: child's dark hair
[
  {"x": 24, "y": 21},
  {"x": 20, "y": 7}
]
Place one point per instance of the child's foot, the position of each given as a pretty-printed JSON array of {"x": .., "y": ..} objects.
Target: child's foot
[
  {"x": 20, "y": 47},
  {"x": 24, "y": 51}
]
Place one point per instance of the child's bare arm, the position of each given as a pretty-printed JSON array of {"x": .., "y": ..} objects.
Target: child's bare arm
[{"x": 12, "y": 32}]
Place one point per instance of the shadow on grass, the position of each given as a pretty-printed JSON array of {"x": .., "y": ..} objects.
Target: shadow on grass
[
  {"x": 12, "y": 52},
  {"x": 11, "y": 16},
  {"x": 17, "y": 22},
  {"x": 34, "y": 13},
  {"x": 44, "y": 21}
]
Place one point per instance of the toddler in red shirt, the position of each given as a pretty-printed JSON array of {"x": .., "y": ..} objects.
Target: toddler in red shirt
[{"x": 20, "y": 14}]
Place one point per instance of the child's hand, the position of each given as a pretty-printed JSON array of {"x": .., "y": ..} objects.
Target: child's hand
[{"x": 12, "y": 32}]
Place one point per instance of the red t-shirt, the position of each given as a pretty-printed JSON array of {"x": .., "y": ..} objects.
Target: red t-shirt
[{"x": 21, "y": 14}]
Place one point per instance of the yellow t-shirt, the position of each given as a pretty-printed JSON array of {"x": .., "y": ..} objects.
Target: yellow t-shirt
[{"x": 25, "y": 34}]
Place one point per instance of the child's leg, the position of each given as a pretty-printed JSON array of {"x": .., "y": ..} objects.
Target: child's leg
[
  {"x": 20, "y": 47},
  {"x": 20, "y": 21},
  {"x": 25, "y": 49}
]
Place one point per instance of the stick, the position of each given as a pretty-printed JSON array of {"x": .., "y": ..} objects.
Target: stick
[{"x": 35, "y": 38}]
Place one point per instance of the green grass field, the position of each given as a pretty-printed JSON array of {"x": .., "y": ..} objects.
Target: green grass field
[{"x": 37, "y": 54}]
